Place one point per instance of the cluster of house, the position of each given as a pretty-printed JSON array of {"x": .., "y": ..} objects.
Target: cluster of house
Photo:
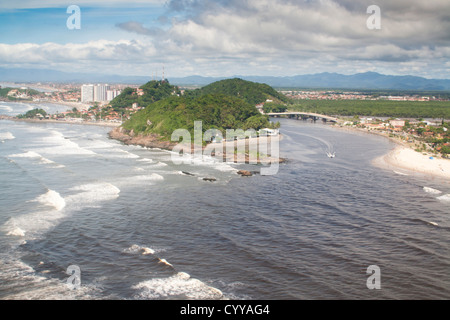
[
  {"x": 331, "y": 95},
  {"x": 19, "y": 94},
  {"x": 325, "y": 95},
  {"x": 393, "y": 124},
  {"x": 407, "y": 130},
  {"x": 376, "y": 124}
]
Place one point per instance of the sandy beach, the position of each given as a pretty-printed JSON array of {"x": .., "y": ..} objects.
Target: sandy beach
[
  {"x": 404, "y": 158},
  {"x": 90, "y": 123}
]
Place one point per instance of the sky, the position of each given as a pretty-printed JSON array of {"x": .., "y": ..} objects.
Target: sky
[{"x": 223, "y": 38}]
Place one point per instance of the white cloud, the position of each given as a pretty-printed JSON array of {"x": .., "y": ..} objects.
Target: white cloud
[
  {"x": 277, "y": 37},
  {"x": 325, "y": 31},
  {"x": 99, "y": 56},
  {"x": 33, "y": 4}
]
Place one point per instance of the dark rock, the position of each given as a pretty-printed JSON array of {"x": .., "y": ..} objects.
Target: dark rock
[{"x": 245, "y": 173}]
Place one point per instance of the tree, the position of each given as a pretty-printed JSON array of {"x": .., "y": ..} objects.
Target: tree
[
  {"x": 255, "y": 122},
  {"x": 445, "y": 150},
  {"x": 420, "y": 130},
  {"x": 33, "y": 114}
]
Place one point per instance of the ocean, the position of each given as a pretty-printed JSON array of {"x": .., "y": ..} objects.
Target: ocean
[{"x": 86, "y": 217}]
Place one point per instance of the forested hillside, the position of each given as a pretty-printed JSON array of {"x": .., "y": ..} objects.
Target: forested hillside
[
  {"x": 216, "y": 111},
  {"x": 251, "y": 92},
  {"x": 152, "y": 91}
]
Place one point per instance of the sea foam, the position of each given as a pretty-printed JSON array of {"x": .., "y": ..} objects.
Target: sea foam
[
  {"x": 137, "y": 249},
  {"x": 445, "y": 198},
  {"x": 150, "y": 177},
  {"x": 35, "y": 155},
  {"x": 178, "y": 285},
  {"x": 431, "y": 190},
  {"x": 24, "y": 283},
  {"x": 17, "y": 232},
  {"x": 88, "y": 195},
  {"x": 6, "y": 136},
  {"x": 145, "y": 160},
  {"x": 119, "y": 153},
  {"x": 28, "y": 154},
  {"x": 159, "y": 164},
  {"x": 34, "y": 224},
  {"x": 53, "y": 199},
  {"x": 59, "y": 145}
]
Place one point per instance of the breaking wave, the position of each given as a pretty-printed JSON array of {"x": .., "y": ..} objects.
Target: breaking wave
[
  {"x": 445, "y": 198},
  {"x": 150, "y": 177},
  {"x": 431, "y": 190},
  {"x": 32, "y": 225},
  {"x": 32, "y": 154},
  {"x": 53, "y": 199},
  {"x": 6, "y": 136},
  {"x": 90, "y": 194},
  {"x": 178, "y": 286}
]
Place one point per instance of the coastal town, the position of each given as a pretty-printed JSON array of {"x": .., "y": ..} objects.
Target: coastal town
[
  {"x": 355, "y": 95},
  {"x": 427, "y": 137},
  {"x": 88, "y": 103},
  {"x": 84, "y": 102}
]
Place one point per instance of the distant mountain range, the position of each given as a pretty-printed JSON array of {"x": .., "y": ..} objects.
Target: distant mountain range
[
  {"x": 44, "y": 75},
  {"x": 367, "y": 80}
]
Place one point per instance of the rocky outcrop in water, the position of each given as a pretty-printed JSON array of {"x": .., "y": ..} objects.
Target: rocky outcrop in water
[{"x": 148, "y": 141}]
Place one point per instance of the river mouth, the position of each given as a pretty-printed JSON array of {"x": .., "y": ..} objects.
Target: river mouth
[{"x": 138, "y": 227}]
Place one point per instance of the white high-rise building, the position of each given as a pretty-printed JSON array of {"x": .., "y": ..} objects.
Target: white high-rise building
[
  {"x": 87, "y": 93},
  {"x": 94, "y": 93},
  {"x": 111, "y": 94},
  {"x": 100, "y": 91}
]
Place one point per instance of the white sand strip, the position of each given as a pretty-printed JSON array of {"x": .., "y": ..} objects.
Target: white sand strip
[{"x": 406, "y": 158}]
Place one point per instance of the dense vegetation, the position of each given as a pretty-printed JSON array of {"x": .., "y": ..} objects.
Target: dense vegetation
[
  {"x": 4, "y": 92},
  {"x": 216, "y": 111},
  {"x": 226, "y": 104},
  {"x": 380, "y": 108},
  {"x": 274, "y": 107},
  {"x": 436, "y": 137},
  {"x": 153, "y": 91},
  {"x": 30, "y": 92},
  {"x": 251, "y": 92},
  {"x": 32, "y": 114}
]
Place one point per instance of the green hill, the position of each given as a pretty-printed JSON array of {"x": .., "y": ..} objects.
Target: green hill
[
  {"x": 153, "y": 91},
  {"x": 251, "y": 92},
  {"x": 216, "y": 111}
]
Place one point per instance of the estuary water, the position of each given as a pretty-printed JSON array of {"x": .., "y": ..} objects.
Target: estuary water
[{"x": 137, "y": 227}]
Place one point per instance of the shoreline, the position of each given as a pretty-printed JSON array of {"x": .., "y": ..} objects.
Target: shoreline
[
  {"x": 404, "y": 157},
  {"x": 89, "y": 123},
  {"x": 154, "y": 141},
  {"x": 401, "y": 157},
  {"x": 71, "y": 104}
]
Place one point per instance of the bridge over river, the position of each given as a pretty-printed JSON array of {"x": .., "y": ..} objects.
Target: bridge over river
[{"x": 304, "y": 115}]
